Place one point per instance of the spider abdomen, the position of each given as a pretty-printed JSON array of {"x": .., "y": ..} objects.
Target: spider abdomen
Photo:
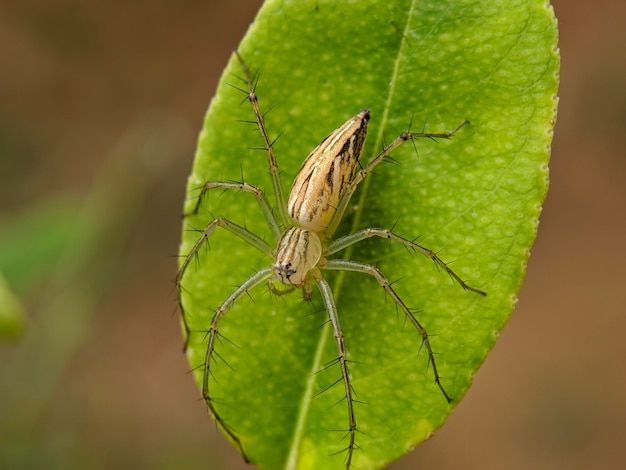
[{"x": 326, "y": 173}]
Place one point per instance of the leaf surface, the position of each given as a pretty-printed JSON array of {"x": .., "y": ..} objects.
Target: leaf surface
[{"x": 475, "y": 200}]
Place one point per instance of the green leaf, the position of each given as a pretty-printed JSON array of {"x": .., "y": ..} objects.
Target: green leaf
[{"x": 474, "y": 199}]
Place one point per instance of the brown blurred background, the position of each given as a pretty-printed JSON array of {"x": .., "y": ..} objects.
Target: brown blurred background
[{"x": 97, "y": 96}]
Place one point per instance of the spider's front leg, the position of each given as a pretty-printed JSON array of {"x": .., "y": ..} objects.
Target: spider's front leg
[
  {"x": 232, "y": 227},
  {"x": 213, "y": 333},
  {"x": 268, "y": 144}
]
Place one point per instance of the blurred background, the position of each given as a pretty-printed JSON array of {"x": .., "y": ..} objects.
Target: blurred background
[{"x": 100, "y": 106}]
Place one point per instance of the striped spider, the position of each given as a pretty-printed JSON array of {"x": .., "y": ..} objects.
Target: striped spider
[{"x": 303, "y": 226}]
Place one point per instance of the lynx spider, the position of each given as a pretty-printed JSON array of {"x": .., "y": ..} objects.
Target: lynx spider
[{"x": 303, "y": 227}]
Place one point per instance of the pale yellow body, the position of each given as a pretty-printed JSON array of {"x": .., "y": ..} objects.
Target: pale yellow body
[
  {"x": 314, "y": 197},
  {"x": 326, "y": 173}
]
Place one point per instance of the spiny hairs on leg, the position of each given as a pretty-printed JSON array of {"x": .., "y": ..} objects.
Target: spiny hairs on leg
[
  {"x": 331, "y": 308},
  {"x": 274, "y": 170},
  {"x": 232, "y": 227},
  {"x": 346, "y": 265},
  {"x": 401, "y": 139},
  {"x": 253, "y": 281},
  {"x": 344, "y": 242},
  {"x": 277, "y": 221},
  {"x": 256, "y": 192}
]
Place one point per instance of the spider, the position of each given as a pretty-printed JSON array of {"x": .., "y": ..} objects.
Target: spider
[{"x": 303, "y": 226}]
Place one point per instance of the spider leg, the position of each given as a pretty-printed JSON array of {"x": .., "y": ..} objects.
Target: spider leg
[
  {"x": 232, "y": 227},
  {"x": 331, "y": 308},
  {"x": 344, "y": 242},
  {"x": 253, "y": 281},
  {"x": 346, "y": 265},
  {"x": 258, "y": 194},
  {"x": 367, "y": 169},
  {"x": 283, "y": 218}
]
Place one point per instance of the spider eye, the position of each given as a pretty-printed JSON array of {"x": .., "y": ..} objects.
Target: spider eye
[{"x": 285, "y": 272}]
